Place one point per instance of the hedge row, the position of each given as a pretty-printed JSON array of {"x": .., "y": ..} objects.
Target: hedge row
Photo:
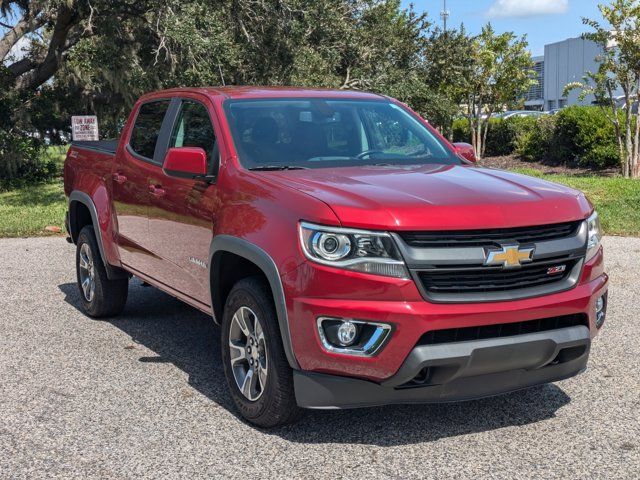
[{"x": 581, "y": 136}]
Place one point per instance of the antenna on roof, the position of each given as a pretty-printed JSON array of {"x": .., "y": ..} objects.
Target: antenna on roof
[{"x": 444, "y": 14}]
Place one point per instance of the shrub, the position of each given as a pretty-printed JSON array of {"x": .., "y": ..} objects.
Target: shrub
[
  {"x": 581, "y": 136},
  {"x": 502, "y": 137},
  {"x": 536, "y": 143},
  {"x": 498, "y": 139},
  {"x": 460, "y": 130},
  {"x": 21, "y": 160},
  {"x": 584, "y": 136}
]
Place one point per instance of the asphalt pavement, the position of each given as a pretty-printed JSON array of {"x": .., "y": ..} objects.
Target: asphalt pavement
[{"x": 143, "y": 396}]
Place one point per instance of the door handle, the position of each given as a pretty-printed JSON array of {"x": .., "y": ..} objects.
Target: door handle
[
  {"x": 118, "y": 178},
  {"x": 156, "y": 190}
]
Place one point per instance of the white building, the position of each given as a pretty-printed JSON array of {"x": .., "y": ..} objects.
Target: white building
[{"x": 563, "y": 63}]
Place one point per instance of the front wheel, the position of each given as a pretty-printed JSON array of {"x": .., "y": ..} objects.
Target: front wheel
[
  {"x": 99, "y": 296},
  {"x": 258, "y": 374}
]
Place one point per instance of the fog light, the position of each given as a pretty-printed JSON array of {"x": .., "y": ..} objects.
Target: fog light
[
  {"x": 347, "y": 333},
  {"x": 599, "y": 305},
  {"x": 601, "y": 310},
  {"x": 352, "y": 337}
]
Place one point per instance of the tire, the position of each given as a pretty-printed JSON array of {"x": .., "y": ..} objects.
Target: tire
[
  {"x": 272, "y": 402},
  {"x": 104, "y": 297}
]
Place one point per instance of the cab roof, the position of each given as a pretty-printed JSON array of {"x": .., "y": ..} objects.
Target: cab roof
[{"x": 245, "y": 92}]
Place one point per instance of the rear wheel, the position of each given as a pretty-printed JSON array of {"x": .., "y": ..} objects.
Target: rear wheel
[
  {"x": 258, "y": 374},
  {"x": 99, "y": 296}
]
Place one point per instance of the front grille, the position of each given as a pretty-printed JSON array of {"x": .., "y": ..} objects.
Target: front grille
[
  {"x": 483, "y": 238},
  {"x": 465, "y": 334},
  {"x": 493, "y": 279}
]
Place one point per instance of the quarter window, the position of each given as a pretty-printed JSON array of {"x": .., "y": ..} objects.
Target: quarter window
[{"x": 147, "y": 128}]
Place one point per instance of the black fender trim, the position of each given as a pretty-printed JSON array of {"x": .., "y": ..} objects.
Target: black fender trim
[
  {"x": 263, "y": 260},
  {"x": 113, "y": 273}
]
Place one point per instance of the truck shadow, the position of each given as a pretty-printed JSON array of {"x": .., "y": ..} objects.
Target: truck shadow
[{"x": 188, "y": 339}]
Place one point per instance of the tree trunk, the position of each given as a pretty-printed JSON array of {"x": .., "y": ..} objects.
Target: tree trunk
[
  {"x": 25, "y": 25},
  {"x": 487, "y": 124},
  {"x": 66, "y": 19},
  {"x": 634, "y": 170},
  {"x": 472, "y": 121},
  {"x": 615, "y": 120},
  {"x": 477, "y": 133},
  {"x": 628, "y": 143}
]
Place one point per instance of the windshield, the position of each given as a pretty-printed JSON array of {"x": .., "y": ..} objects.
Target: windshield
[{"x": 273, "y": 134}]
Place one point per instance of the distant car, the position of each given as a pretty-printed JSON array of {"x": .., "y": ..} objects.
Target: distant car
[
  {"x": 519, "y": 113},
  {"x": 620, "y": 102}
]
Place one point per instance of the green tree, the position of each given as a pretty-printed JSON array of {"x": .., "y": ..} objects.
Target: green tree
[
  {"x": 619, "y": 69},
  {"x": 114, "y": 55},
  {"x": 49, "y": 29},
  {"x": 98, "y": 56},
  {"x": 448, "y": 63},
  {"x": 36, "y": 39},
  {"x": 501, "y": 72}
]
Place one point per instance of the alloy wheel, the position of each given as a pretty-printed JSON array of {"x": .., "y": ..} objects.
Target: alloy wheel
[
  {"x": 87, "y": 273},
  {"x": 248, "y": 353}
]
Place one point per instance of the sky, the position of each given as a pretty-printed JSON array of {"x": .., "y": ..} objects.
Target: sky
[{"x": 543, "y": 21}]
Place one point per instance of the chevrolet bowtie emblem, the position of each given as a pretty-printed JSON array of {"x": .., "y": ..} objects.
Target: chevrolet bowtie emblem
[{"x": 509, "y": 256}]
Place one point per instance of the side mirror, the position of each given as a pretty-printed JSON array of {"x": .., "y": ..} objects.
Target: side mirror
[
  {"x": 466, "y": 151},
  {"x": 185, "y": 162}
]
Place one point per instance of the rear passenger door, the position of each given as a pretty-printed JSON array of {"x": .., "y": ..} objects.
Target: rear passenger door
[
  {"x": 134, "y": 164},
  {"x": 181, "y": 217}
]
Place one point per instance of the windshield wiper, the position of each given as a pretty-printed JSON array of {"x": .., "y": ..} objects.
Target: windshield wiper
[{"x": 267, "y": 168}]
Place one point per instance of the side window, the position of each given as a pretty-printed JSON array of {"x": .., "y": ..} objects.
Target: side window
[
  {"x": 194, "y": 129},
  {"x": 147, "y": 128}
]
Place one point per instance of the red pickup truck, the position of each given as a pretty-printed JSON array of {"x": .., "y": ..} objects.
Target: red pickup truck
[{"x": 350, "y": 254}]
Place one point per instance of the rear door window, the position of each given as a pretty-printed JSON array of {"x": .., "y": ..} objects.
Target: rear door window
[{"x": 146, "y": 130}]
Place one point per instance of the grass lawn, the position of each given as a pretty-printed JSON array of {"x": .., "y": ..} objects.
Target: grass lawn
[
  {"x": 28, "y": 211},
  {"x": 57, "y": 153},
  {"x": 617, "y": 199}
]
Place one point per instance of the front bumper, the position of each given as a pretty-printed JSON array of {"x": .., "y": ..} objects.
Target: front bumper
[
  {"x": 457, "y": 371},
  {"x": 314, "y": 290}
]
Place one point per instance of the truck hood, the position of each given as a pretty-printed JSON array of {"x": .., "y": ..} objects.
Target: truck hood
[{"x": 436, "y": 197}]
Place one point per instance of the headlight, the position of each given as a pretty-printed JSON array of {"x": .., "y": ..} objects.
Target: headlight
[
  {"x": 358, "y": 250},
  {"x": 594, "y": 235}
]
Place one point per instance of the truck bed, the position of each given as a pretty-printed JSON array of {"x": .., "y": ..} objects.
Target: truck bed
[
  {"x": 103, "y": 146},
  {"x": 88, "y": 159}
]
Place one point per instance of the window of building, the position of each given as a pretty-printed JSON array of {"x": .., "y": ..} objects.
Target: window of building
[{"x": 536, "y": 91}]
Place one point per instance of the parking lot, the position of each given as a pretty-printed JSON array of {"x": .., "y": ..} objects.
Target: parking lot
[{"x": 143, "y": 395}]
